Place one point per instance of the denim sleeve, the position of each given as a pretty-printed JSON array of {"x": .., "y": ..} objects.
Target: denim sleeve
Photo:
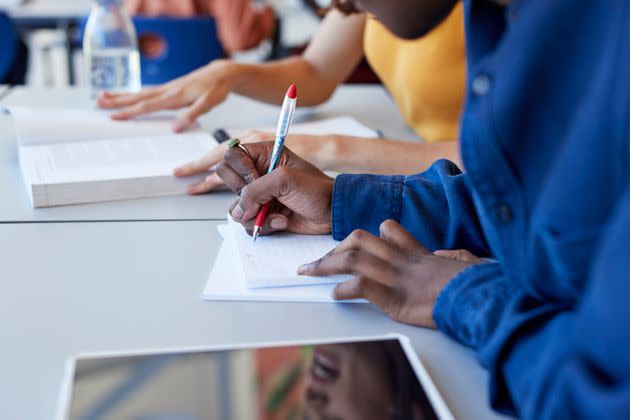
[
  {"x": 435, "y": 206},
  {"x": 549, "y": 359}
]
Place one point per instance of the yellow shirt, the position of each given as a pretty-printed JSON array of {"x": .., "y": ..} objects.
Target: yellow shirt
[{"x": 426, "y": 77}]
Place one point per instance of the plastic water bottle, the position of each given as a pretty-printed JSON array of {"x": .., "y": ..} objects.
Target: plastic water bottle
[{"x": 110, "y": 46}]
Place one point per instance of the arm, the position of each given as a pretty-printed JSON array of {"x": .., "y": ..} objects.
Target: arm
[
  {"x": 550, "y": 359},
  {"x": 435, "y": 206},
  {"x": 331, "y": 56},
  {"x": 376, "y": 156}
]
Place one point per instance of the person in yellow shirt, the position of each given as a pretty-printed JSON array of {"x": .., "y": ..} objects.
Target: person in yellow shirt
[{"x": 425, "y": 77}]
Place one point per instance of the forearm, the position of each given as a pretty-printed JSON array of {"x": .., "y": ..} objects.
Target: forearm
[
  {"x": 435, "y": 206},
  {"x": 264, "y": 82},
  {"x": 379, "y": 156},
  {"x": 330, "y": 58}
]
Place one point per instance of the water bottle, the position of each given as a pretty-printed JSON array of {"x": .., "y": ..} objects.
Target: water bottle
[{"x": 110, "y": 46}]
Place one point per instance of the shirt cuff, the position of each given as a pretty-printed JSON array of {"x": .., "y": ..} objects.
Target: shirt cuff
[
  {"x": 470, "y": 306},
  {"x": 364, "y": 202}
]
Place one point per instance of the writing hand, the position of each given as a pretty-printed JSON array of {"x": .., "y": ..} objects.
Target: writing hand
[{"x": 300, "y": 194}]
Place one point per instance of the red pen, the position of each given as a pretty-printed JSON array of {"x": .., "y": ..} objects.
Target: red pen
[{"x": 286, "y": 115}]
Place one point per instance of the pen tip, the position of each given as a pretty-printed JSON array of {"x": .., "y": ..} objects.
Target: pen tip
[{"x": 256, "y": 230}]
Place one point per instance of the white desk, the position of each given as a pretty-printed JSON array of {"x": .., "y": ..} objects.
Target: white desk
[
  {"x": 72, "y": 287},
  {"x": 369, "y": 104}
]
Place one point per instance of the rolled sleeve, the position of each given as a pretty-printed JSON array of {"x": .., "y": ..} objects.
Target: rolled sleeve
[{"x": 365, "y": 201}]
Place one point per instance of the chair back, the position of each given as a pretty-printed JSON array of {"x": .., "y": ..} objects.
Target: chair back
[
  {"x": 189, "y": 43},
  {"x": 8, "y": 45}
]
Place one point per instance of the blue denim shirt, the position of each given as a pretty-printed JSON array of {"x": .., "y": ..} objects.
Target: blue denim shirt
[{"x": 545, "y": 142}]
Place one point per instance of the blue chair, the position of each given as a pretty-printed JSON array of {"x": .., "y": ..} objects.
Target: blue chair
[
  {"x": 189, "y": 43},
  {"x": 8, "y": 47}
]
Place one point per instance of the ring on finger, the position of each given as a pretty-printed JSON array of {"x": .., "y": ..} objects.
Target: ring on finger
[{"x": 235, "y": 142}]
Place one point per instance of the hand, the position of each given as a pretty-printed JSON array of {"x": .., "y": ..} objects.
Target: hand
[
  {"x": 202, "y": 89},
  {"x": 394, "y": 271},
  {"x": 300, "y": 194},
  {"x": 307, "y": 146}
]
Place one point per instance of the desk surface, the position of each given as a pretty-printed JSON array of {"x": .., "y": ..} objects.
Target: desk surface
[
  {"x": 368, "y": 104},
  {"x": 73, "y": 287}
]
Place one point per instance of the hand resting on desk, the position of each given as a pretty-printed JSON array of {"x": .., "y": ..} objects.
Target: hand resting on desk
[{"x": 394, "y": 271}]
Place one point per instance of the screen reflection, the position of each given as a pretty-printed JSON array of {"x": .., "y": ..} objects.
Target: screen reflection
[{"x": 359, "y": 380}]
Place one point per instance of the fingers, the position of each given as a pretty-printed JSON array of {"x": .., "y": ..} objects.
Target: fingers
[
  {"x": 358, "y": 241},
  {"x": 394, "y": 233},
  {"x": 259, "y": 192},
  {"x": 152, "y": 104},
  {"x": 110, "y": 100},
  {"x": 458, "y": 254},
  {"x": 274, "y": 222},
  {"x": 355, "y": 261},
  {"x": 362, "y": 288},
  {"x": 207, "y": 184},
  {"x": 231, "y": 178},
  {"x": 203, "y": 164},
  {"x": 199, "y": 107},
  {"x": 242, "y": 163}
]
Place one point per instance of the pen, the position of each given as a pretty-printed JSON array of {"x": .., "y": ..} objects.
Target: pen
[{"x": 286, "y": 115}]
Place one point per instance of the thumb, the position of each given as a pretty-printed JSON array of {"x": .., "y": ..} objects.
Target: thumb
[
  {"x": 202, "y": 164},
  {"x": 394, "y": 233}
]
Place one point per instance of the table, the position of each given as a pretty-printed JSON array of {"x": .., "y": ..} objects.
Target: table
[
  {"x": 368, "y": 104},
  {"x": 73, "y": 287}
]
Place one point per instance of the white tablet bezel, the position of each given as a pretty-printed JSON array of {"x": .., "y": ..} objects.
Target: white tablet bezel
[{"x": 434, "y": 397}]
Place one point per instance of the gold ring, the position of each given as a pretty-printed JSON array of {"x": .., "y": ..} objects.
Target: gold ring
[{"x": 235, "y": 142}]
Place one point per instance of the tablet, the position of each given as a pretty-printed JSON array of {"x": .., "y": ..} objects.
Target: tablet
[{"x": 364, "y": 378}]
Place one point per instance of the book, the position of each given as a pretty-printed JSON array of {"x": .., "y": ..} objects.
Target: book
[
  {"x": 227, "y": 281},
  {"x": 72, "y": 156}
]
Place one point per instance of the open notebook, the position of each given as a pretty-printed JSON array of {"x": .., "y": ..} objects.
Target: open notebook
[
  {"x": 273, "y": 260},
  {"x": 227, "y": 281},
  {"x": 73, "y": 156}
]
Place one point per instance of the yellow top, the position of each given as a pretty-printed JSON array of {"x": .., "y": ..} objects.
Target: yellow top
[{"x": 426, "y": 77}]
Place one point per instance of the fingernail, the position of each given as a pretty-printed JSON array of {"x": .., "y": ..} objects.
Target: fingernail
[
  {"x": 334, "y": 292},
  {"x": 238, "y": 212},
  {"x": 277, "y": 223},
  {"x": 303, "y": 269},
  {"x": 178, "y": 126}
]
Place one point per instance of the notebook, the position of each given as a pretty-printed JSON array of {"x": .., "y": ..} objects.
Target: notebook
[
  {"x": 72, "y": 156},
  {"x": 227, "y": 282},
  {"x": 273, "y": 260}
]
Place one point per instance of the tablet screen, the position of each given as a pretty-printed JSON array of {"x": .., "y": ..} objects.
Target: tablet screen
[{"x": 351, "y": 380}]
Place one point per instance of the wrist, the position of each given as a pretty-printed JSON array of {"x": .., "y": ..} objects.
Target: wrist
[
  {"x": 328, "y": 152},
  {"x": 226, "y": 72}
]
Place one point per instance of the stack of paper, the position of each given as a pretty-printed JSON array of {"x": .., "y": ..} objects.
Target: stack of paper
[
  {"x": 71, "y": 156},
  {"x": 267, "y": 270}
]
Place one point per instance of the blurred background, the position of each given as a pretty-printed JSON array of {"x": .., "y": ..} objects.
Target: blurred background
[{"x": 47, "y": 49}]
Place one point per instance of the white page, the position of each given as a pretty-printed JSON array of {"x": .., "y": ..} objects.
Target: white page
[
  {"x": 111, "y": 159},
  {"x": 346, "y": 126},
  {"x": 226, "y": 282},
  {"x": 273, "y": 260},
  {"x": 53, "y": 125}
]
